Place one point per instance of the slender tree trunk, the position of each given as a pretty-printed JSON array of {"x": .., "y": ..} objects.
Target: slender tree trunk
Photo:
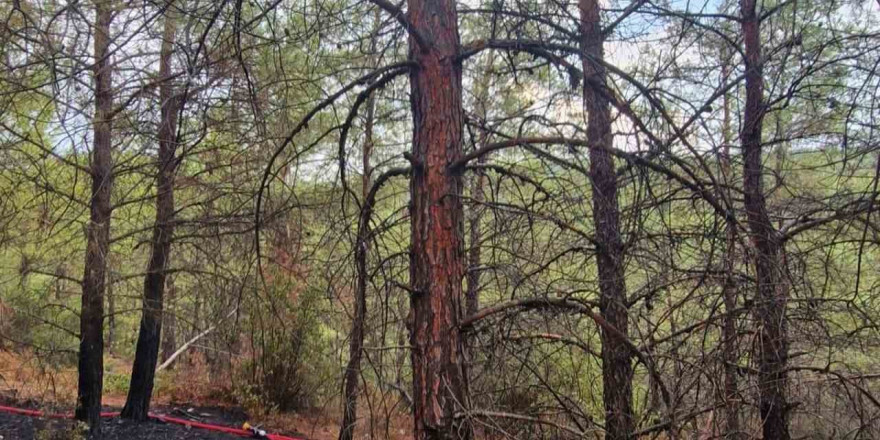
[
  {"x": 356, "y": 340},
  {"x": 437, "y": 245},
  {"x": 91, "y": 348},
  {"x": 617, "y": 367},
  {"x": 144, "y": 369},
  {"x": 729, "y": 338},
  {"x": 367, "y": 168},
  {"x": 772, "y": 294},
  {"x": 475, "y": 258},
  {"x": 361, "y": 249}
]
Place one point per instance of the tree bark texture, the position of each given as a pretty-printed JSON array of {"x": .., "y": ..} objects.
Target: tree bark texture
[
  {"x": 91, "y": 348},
  {"x": 437, "y": 260}
]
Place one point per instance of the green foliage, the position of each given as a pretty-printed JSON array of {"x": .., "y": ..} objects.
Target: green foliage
[
  {"x": 290, "y": 363},
  {"x": 116, "y": 383}
]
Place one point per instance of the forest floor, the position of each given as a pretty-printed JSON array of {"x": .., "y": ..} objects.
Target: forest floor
[
  {"x": 17, "y": 427},
  {"x": 29, "y": 385},
  {"x": 22, "y": 427}
]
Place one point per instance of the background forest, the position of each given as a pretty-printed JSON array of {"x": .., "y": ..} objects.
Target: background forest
[{"x": 437, "y": 219}]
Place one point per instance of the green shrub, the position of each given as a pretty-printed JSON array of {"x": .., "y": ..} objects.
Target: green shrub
[
  {"x": 115, "y": 383},
  {"x": 288, "y": 369}
]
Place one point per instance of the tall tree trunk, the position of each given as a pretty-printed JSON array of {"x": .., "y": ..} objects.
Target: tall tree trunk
[
  {"x": 617, "y": 367},
  {"x": 472, "y": 294},
  {"x": 91, "y": 348},
  {"x": 437, "y": 253},
  {"x": 361, "y": 249},
  {"x": 729, "y": 338},
  {"x": 144, "y": 369},
  {"x": 356, "y": 341},
  {"x": 772, "y": 294},
  {"x": 475, "y": 257}
]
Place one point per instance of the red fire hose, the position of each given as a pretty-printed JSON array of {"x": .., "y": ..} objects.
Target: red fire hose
[{"x": 159, "y": 417}]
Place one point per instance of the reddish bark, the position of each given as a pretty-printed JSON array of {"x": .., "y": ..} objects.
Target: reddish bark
[
  {"x": 91, "y": 348},
  {"x": 617, "y": 367},
  {"x": 772, "y": 294},
  {"x": 437, "y": 254}
]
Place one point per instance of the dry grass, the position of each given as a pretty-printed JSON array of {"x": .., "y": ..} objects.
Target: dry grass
[
  {"x": 320, "y": 425},
  {"x": 24, "y": 377}
]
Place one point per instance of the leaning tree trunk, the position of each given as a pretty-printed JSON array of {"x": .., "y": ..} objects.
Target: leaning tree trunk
[
  {"x": 91, "y": 348},
  {"x": 361, "y": 249},
  {"x": 617, "y": 370},
  {"x": 772, "y": 294},
  {"x": 356, "y": 341},
  {"x": 437, "y": 245},
  {"x": 144, "y": 369}
]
